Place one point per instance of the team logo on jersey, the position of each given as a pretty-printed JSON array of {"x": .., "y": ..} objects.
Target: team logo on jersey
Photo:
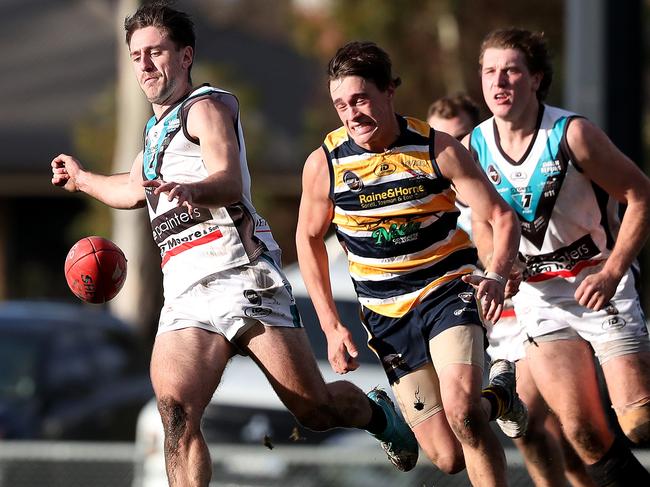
[
  {"x": 460, "y": 311},
  {"x": 384, "y": 169},
  {"x": 493, "y": 174},
  {"x": 614, "y": 323},
  {"x": 252, "y": 296},
  {"x": 352, "y": 181}
]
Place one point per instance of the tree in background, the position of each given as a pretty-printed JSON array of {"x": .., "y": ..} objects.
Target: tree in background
[{"x": 434, "y": 44}]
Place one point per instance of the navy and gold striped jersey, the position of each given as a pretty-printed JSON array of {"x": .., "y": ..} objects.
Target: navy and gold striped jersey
[{"x": 395, "y": 215}]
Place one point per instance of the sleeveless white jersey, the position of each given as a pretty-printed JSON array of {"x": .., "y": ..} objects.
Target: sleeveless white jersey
[
  {"x": 198, "y": 243},
  {"x": 568, "y": 223}
]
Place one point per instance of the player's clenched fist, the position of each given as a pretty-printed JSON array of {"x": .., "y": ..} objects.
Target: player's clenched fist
[{"x": 65, "y": 169}]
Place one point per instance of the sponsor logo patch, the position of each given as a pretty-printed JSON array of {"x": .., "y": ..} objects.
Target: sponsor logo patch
[
  {"x": 384, "y": 169},
  {"x": 614, "y": 323},
  {"x": 466, "y": 297},
  {"x": 257, "y": 312},
  {"x": 252, "y": 296},
  {"x": 460, "y": 311},
  {"x": 396, "y": 234}
]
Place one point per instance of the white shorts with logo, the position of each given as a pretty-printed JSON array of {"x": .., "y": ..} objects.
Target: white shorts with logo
[
  {"x": 506, "y": 337},
  {"x": 553, "y": 307},
  {"x": 231, "y": 301}
]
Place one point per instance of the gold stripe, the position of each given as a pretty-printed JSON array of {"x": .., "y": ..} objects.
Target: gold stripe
[
  {"x": 459, "y": 241},
  {"x": 400, "y": 308}
]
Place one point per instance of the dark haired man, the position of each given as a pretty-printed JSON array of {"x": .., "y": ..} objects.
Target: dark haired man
[
  {"x": 563, "y": 176},
  {"x": 225, "y": 292},
  {"x": 385, "y": 182}
]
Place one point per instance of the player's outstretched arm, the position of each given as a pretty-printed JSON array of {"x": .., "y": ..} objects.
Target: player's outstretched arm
[
  {"x": 488, "y": 208},
  {"x": 316, "y": 210},
  {"x": 122, "y": 191},
  {"x": 212, "y": 122},
  {"x": 610, "y": 169}
]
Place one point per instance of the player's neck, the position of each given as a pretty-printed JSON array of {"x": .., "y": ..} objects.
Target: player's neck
[
  {"x": 520, "y": 127},
  {"x": 515, "y": 135},
  {"x": 181, "y": 93}
]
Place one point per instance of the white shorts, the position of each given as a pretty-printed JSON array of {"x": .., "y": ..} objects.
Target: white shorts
[
  {"x": 506, "y": 337},
  {"x": 556, "y": 308},
  {"x": 232, "y": 301}
]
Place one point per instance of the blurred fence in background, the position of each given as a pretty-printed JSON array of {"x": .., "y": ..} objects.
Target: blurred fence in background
[{"x": 53, "y": 464}]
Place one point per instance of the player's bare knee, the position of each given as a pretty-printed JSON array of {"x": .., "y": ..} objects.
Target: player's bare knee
[
  {"x": 174, "y": 419},
  {"x": 465, "y": 422},
  {"x": 449, "y": 463},
  {"x": 585, "y": 438},
  {"x": 635, "y": 421}
]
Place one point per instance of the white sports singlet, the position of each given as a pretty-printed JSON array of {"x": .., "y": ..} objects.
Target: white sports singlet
[{"x": 198, "y": 243}]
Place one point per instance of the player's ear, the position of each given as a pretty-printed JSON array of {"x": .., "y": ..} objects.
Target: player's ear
[
  {"x": 188, "y": 56},
  {"x": 537, "y": 80}
]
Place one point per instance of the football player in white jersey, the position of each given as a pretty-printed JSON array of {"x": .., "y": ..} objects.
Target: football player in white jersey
[
  {"x": 546, "y": 463},
  {"x": 225, "y": 292},
  {"x": 564, "y": 177}
]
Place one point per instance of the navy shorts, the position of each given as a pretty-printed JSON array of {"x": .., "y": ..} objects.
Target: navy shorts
[{"x": 402, "y": 344}]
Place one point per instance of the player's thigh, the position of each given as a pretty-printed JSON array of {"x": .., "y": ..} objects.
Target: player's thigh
[
  {"x": 285, "y": 356},
  {"x": 418, "y": 397},
  {"x": 565, "y": 374},
  {"x": 628, "y": 378},
  {"x": 458, "y": 357},
  {"x": 187, "y": 364},
  {"x": 529, "y": 393}
]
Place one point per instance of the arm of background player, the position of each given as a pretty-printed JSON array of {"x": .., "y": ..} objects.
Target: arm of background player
[
  {"x": 315, "y": 215},
  {"x": 213, "y": 124},
  {"x": 488, "y": 208},
  {"x": 610, "y": 169},
  {"x": 123, "y": 191}
]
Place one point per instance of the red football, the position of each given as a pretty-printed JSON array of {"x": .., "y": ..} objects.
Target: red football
[{"x": 95, "y": 269}]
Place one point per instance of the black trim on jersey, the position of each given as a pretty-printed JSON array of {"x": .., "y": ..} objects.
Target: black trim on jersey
[
  {"x": 380, "y": 248},
  {"x": 187, "y": 104},
  {"x": 245, "y": 225},
  {"x": 346, "y": 149},
  {"x": 564, "y": 143},
  {"x": 176, "y": 103},
  {"x": 497, "y": 138},
  {"x": 602, "y": 198},
  {"x": 350, "y": 200},
  {"x": 330, "y": 170},
  {"x": 416, "y": 280},
  {"x": 432, "y": 154}
]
